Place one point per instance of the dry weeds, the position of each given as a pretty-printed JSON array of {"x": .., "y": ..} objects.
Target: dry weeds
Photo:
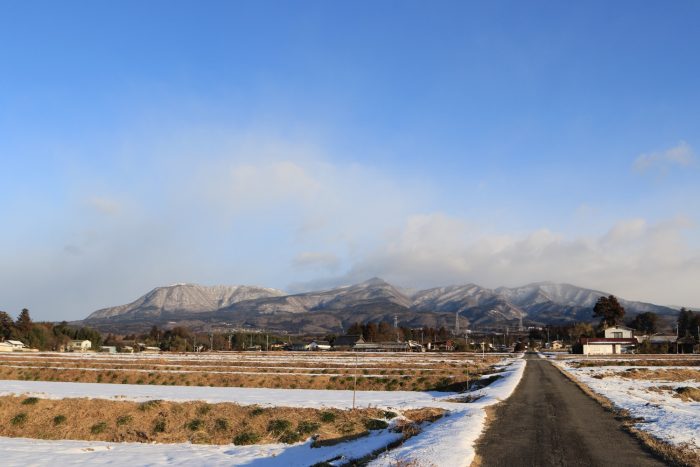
[
  {"x": 443, "y": 375},
  {"x": 175, "y": 422},
  {"x": 688, "y": 394}
]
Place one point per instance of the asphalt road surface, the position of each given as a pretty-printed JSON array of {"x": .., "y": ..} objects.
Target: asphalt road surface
[{"x": 549, "y": 421}]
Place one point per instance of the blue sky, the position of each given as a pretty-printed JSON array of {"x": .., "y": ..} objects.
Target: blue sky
[{"x": 311, "y": 144}]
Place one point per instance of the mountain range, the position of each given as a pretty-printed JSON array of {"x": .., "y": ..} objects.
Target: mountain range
[{"x": 333, "y": 311}]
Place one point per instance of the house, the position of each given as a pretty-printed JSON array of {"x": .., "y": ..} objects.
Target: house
[
  {"x": 300, "y": 347},
  {"x": 79, "y": 345},
  {"x": 607, "y": 345},
  {"x": 617, "y": 340},
  {"x": 366, "y": 347},
  {"x": 619, "y": 332},
  {"x": 557, "y": 345},
  {"x": 17, "y": 346},
  {"x": 685, "y": 344},
  {"x": 416, "y": 346},
  {"x": 320, "y": 345},
  {"x": 347, "y": 342},
  {"x": 6, "y": 347},
  {"x": 108, "y": 349},
  {"x": 448, "y": 345},
  {"x": 151, "y": 349}
]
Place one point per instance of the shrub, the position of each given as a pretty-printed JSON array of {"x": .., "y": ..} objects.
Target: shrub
[
  {"x": 124, "y": 420},
  {"x": 221, "y": 424},
  {"x": 19, "y": 419},
  {"x": 58, "y": 419},
  {"x": 203, "y": 409},
  {"x": 30, "y": 401},
  {"x": 388, "y": 414},
  {"x": 257, "y": 411},
  {"x": 327, "y": 417},
  {"x": 159, "y": 426},
  {"x": 98, "y": 428},
  {"x": 144, "y": 406},
  {"x": 305, "y": 427},
  {"x": 374, "y": 424},
  {"x": 246, "y": 438},
  {"x": 195, "y": 424},
  {"x": 278, "y": 426},
  {"x": 290, "y": 437}
]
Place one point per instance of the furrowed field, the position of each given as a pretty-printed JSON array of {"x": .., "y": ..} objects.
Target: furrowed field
[{"x": 293, "y": 408}]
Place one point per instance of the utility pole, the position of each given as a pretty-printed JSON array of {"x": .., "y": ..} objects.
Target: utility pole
[
  {"x": 354, "y": 383},
  {"x": 211, "y": 342}
]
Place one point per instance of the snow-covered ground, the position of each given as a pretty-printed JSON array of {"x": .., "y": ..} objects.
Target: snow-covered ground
[
  {"x": 661, "y": 414},
  {"x": 447, "y": 442}
]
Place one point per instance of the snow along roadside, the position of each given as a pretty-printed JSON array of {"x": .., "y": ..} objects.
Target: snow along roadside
[
  {"x": 660, "y": 414},
  {"x": 450, "y": 440}
]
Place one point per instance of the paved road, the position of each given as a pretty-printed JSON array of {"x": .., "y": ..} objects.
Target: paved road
[{"x": 549, "y": 421}]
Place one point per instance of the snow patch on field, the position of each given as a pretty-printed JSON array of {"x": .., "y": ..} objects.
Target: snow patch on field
[
  {"x": 447, "y": 442},
  {"x": 661, "y": 414},
  {"x": 23, "y": 451}
]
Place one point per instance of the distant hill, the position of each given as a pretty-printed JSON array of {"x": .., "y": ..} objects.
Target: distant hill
[{"x": 374, "y": 300}]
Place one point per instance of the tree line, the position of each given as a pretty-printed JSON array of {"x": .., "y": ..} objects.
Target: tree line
[
  {"x": 44, "y": 335},
  {"x": 385, "y": 332}
]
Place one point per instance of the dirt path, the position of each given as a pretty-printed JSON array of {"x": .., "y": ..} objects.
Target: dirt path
[{"x": 549, "y": 421}]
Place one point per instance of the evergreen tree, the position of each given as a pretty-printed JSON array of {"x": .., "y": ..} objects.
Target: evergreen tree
[
  {"x": 24, "y": 323},
  {"x": 6, "y": 326},
  {"x": 609, "y": 310},
  {"x": 645, "y": 322}
]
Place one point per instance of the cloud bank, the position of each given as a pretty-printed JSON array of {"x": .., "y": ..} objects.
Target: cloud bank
[{"x": 287, "y": 215}]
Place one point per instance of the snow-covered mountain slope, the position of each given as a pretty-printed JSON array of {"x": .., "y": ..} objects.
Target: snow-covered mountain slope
[
  {"x": 372, "y": 291},
  {"x": 189, "y": 298},
  {"x": 373, "y": 300}
]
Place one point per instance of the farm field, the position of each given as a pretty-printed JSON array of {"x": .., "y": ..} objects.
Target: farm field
[
  {"x": 660, "y": 394},
  {"x": 230, "y": 409},
  {"x": 316, "y": 370}
]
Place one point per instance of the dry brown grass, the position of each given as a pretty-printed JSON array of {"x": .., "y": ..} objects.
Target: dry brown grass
[
  {"x": 688, "y": 394},
  {"x": 668, "y": 361},
  {"x": 428, "y": 414},
  {"x": 447, "y": 375},
  {"x": 174, "y": 422},
  {"x": 671, "y": 374},
  {"x": 414, "y": 382}
]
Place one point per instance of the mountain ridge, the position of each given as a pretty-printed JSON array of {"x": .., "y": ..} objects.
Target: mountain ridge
[{"x": 335, "y": 309}]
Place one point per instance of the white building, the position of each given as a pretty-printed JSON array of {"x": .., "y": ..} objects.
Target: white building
[
  {"x": 80, "y": 345},
  {"x": 607, "y": 345},
  {"x": 320, "y": 345},
  {"x": 16, "y": 345},
  {"x": 619, "y": 332}
]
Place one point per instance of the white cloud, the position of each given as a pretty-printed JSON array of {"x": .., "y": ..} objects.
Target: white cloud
[
  {"x": 680, "y": 155},
  {"x": 634, "y": 259},
  {"x": 327, "y": 262},
  {"x": 273, "y": 212}
]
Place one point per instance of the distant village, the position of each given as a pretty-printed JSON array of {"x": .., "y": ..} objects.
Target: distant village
[{"x": 610, "y": 337}]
